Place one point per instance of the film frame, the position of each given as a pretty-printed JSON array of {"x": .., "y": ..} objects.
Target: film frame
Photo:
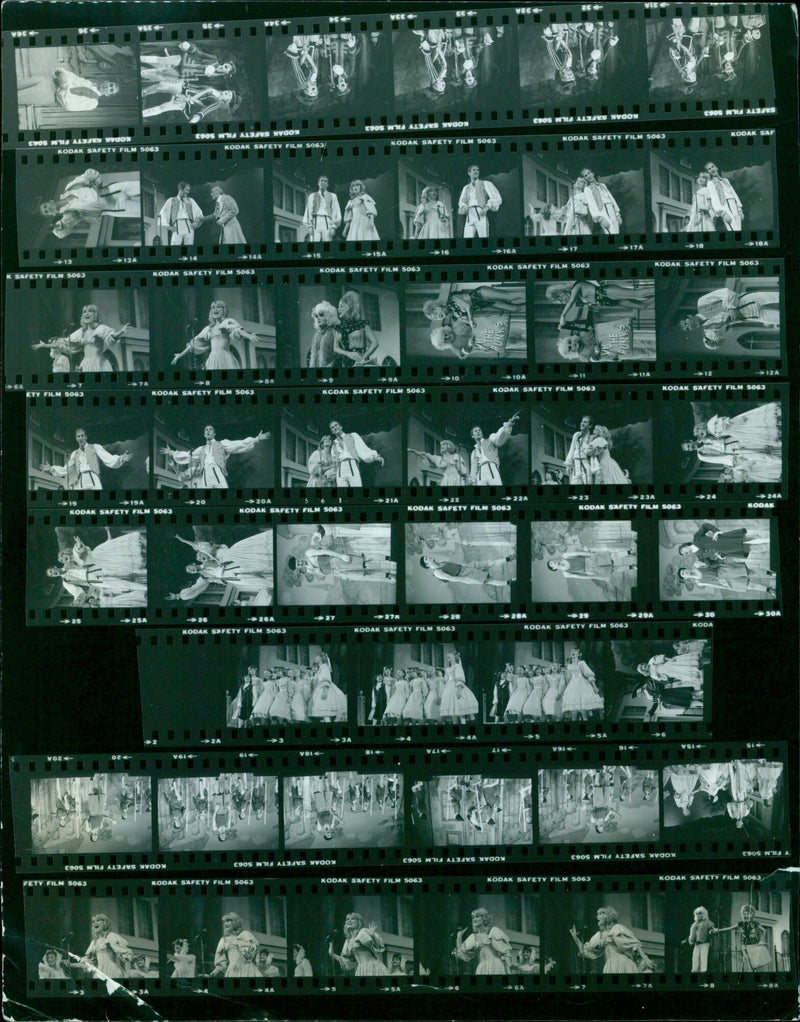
[{"x": 563, "y": 65}]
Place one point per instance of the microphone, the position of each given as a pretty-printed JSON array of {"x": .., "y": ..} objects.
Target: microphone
[{"x": 330, "y": 936}]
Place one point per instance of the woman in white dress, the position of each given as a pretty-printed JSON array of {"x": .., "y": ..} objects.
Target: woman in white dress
[
  {"x": 757, "y": 431},
  {"x": 434, "y": 699},
  {"x": 414, "y": 709},
  {"x": 701, "y": 217},
  {"x": 359, "y": 215},
  {"x": 362, "y": 950},
  {"x": 551, "y": 701},
  {"x": 458, "y": 703},
  {"x": 532, "y": 708},
  {"x": 236, "y": 952},
  {"x": 455, "y": 469},
  {"x": 263, "y": 701},
  {"x": 581, "y": 698},
  {"x": 488, "y": 943},
  {"x": 620, "y": 949},
  {"x": 328, "y": 701},
  {"x": 244, "y": 564},
  {"x": 397, "y": 701},
  {"x": 521, "y": 690},
  {"x": 107, "y": 952},
  {"x": 431, "y": 219},
  {"x": 215, "y": 339},
  {"x": 321, "y": 469},
  {"x": 603, "y": 467},
  {"x": 301, "y": 694},
  {"x": 575, "y": 214}
]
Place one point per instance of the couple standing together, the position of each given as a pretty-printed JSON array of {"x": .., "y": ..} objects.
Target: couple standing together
[
  {"x": 180, "y": 217},
  {"x": 589, "y": 461}
]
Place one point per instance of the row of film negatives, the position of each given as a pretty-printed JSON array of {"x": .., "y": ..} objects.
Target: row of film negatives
[
  {"x": 458, "y": 936},
  {"x": 408, "y": 198},
  {"x": 401, "y": 807},
  {"x": 447, "y": 70},
  {"x": 687, "y": 320},
  {"x": 237, "y": 688},
  {"x": 414, "y": 565},
  {"x": 271, "y": 447}
]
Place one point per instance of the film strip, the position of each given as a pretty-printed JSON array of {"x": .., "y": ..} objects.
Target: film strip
[
  {"x": 496, "y": 68},
  {"x": 482, "y": 196},
  {"x": 419, "y": 564},
  {"x": 335, "y": 687},
  {"x": 348, "y": 808},
  {"x": 415, "y": 936},
  {"x": 682, "y": 320},
  {"x": 514, "y": 443}
]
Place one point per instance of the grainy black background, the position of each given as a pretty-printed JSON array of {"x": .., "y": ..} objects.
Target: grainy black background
[{"x": 75, "y": 690}]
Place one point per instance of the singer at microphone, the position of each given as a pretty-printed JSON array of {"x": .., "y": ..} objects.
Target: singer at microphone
[{"x": 210, "y": 348}]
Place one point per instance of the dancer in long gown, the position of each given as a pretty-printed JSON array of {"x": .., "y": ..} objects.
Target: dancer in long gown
[
  {"x": 684, "y": 781},
  {"x": 575, "y": 214},
  {"x": 92, "y": 338},
  {"x": 321, "y": 469},
  {"x": 115, "y": 569},
  {"x": 431, "y": 218},
  {"x": 235, "y": 955},
  {"x": 701, "y": 217},
  {"x": 532, "y": 708},
  {"x": 245, "y": 564},
  {"x": 620, "y": 949},
  {"x": 264, "y": 699},
  {"x": 397, "y": 700},
  {"x": 518, "y": 696},
  {"x": 328, "y": 701},
  {"x": 107, "y": 952},
  {"x": 213, "y": 343},
  {"x": 755, "y": 432},
  {"x": 685, "y": 667},
  {"x": 604, "y": 468},
  {"x": 362, "y": 950},
  {"x": 458, "y": 703},
  {"x": 581, "y": 697},
  {"x": 359, "y": 215},
  {"x": 414, "y": 709},
  {"x": 488, "y": 943},
  {"x": 455, "y": 468}
]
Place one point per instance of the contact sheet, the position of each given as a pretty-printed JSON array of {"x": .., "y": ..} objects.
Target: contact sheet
[
  {"x": 375, "y": 73},
  {"x": 417, "y": 385}
]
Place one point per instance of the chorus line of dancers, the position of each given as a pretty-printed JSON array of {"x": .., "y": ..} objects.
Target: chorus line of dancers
[
  {"x": 320, "y": 807},
  {"x": 743, "y": 783},
  {"x": 282, "y": 696},
  {"x": 416, "y": 695},
  {"x": 530, "y": 692},
  {"x": 194, "y": 812}
]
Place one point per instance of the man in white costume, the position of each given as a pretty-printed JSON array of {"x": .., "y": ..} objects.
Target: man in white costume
[
  {"x": 603, "y": 206},
  {"x": 477, "y": 199},
  {"x": 347, "y": 450},
  {"x": 209, "y": 464},
  {"x": 180, "y": 215},
  {"x": 484, "y": 469},
  {"x": 725, "y": 203},
  {"x": 323, "y": 213},
  {"x": 82, "y": 470}
]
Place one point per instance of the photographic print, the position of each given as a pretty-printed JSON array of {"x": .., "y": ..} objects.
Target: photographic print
[
  {"x": 66, "y": 88},
  {"x": 571, "y": 193},
  {"x": 348, "y": 199},
  {"x": 345, "y": 445},
  {"x": 584, "y": 561},
  {"x": 736, "y": 800},
  {"x": 730, "y": 189},
  {"x": 238, "y": 810},
  {"x": 608, "y": 933},
  {"x": 448, "y": 69},
  {"x": 86, "y": 566},
  {"x": 334, "y": 74},
  {"x": 592, "y": 443},
  {"x": 216, "y": 329},
  {"x": 655, "y": 680},
  {"x": 101, "y": 813},
  {"x": 214, "y": 565},
  {"x": 482, "y": 935},
  {"x": 701, "y": 316},
  {"x": 596, "y": 63},
  {"x": 335, "y": 565},
  {"x": 224, "y": 936},
  {"x": 722, "y": 441},
  {"x": 465, "y": 322},
  {"x": 343, "y": 809},
  {"x": 447, "y": 448},
  {"x": 595, "y": 320},
  {"x": 197, "y": 202},
  {"x": 202, "y": 447},
  {"x": 464, "y": 562},
  {"x": 341, "y": 327},
  {"x": 460, "y": 811},
  {"x": 100, "y": 207},
  {"x": 361, "y": 935},
  {"x": 745, "y": 931},
  {"x": 89, "y": 449},
  {"x": 732, "y": 559},
  {"x": 710, "y": 58},
  {"x": 102, "y": 938},
  {"x": 186, "y": 83},
  {"x": 617, "y": 804}
]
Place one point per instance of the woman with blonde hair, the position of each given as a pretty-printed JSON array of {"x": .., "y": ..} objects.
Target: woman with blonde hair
[
  {"x": 359, "y": 215},
  {"x": 431, "y": 219}
]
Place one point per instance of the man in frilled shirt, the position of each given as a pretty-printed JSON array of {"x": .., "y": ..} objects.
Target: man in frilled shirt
[
  {"x": 485, "y": 459},
  {"x": 478, "y": 198},
  {"x": 347, "y": 451},
  {"x": 82, "y": 470},
  {"x": 208, "y": 465},
  {"x": 323, "y": 214}
]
